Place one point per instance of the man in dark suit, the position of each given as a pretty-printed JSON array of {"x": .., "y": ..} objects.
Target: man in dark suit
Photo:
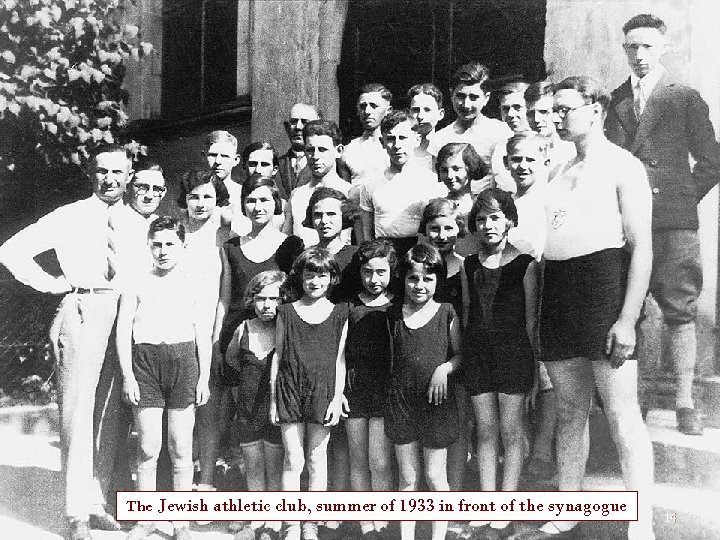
[
  {"x": 663, "y": 123},
  {"x": 291, "y": 164}
]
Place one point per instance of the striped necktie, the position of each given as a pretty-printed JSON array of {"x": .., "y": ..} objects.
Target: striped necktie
[
  {"x": 111, "y": 252},
  {"x": 639, "y": 100}
]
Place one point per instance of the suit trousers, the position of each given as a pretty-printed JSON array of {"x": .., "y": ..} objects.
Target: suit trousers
[
  {"x": 80, "y": 334},
  {"x": 676, "y": 279}
]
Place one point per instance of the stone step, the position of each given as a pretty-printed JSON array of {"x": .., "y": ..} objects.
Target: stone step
[{"x": 683, "y": 460}]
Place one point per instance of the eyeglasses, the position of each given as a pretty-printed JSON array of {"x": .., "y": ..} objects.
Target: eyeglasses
[
  {"x": 562, "y": 112},
  {"x": 142, "y": 189}
]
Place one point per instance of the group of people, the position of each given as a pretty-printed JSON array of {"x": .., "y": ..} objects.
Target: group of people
[{"x": 353, "y": 311}]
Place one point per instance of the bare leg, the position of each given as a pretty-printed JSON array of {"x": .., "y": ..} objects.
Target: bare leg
[
  {"x": 180, "y": 434},
  {"x": 486, "y": 418},
  {"x": 254, "y": 456},
  {"x": 410, "y": 466},
  {"x": 357, "y": 436},
  {"x": 273, "y": 474},
  {"x": 435, "y": 461},
  {"x": 618, "y": 390},
  {"x": 457, "y": 451},
  {"x": 212, "y": 419},
  {"x": 381, "y": 461},
  {"x": 293, "y": 436}
]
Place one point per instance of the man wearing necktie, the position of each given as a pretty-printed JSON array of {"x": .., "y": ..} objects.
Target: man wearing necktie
[
  {"x": 89, "y": 248},
  {"x": 664, "y": 123}
]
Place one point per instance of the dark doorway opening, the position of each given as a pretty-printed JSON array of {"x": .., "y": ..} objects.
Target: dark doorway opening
[{"x": 403, "y": 42}]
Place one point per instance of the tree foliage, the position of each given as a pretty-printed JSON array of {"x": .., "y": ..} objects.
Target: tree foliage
[{"x": 62, "y": 65}]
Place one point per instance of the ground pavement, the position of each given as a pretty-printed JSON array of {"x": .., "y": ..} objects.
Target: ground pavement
[{"x": 31, "y": 497}]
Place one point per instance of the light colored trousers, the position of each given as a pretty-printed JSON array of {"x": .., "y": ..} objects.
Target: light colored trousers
[{"x": 80, "y": 336}]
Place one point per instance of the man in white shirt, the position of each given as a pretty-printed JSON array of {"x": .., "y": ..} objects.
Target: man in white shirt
[
  {"x": 392, "y": 205},
  {"x": 85, "y": 240},
  {"x": 539, "y": 110},
  {"x": 365, "y": 156},
  {"x": 469, "y": 95}
]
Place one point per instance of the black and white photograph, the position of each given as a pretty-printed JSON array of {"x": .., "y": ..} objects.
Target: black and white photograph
[{"x": 447, "y": 247}]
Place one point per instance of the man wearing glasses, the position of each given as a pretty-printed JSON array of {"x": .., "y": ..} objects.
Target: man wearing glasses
[
  {"x": 291, "y": 164},
  {"x": 663, "y": 123}
]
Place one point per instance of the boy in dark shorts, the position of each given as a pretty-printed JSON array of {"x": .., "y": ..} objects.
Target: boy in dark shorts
[{"x": 165, "y": 362}]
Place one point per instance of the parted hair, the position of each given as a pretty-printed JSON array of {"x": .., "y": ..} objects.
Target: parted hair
[
  {"x": 323, "y": 127},
  {"x": 537, "y": 90},
  {"x": 376, "y": 87},
  {"x": 348, "y": 209},
  {"x": 167, "y": 223},
  {"x": 426, "y": 255},
  {"x": 145, "y": 163},
  {"x": 474, "y": 164},
  {"x": 426, "y": 88},
  {"x": 392, "y": 119},
  {"x": 259, "y": 145},
  {"x": 313, "y": 259},
  {"x": 492, "y": 199},
  {"x": 255, "y": 181},
  {"x": 262, "y": 280},
  {"x": 378, "y": 248},
  {"x": 197, "y": 177},
  {"x": 645, "y": 20},
  {"x": 441, "y": 207},
  {"x": 512, "y": 88},
  {"x": 590, "y": 89},
  {"x": 220, "y": 136},
  {"x": 527, "y": 136},
  {"x": 469, "y": 74}
]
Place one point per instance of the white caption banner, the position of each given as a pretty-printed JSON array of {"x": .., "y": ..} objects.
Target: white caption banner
[{"x": 377, "y": 506}]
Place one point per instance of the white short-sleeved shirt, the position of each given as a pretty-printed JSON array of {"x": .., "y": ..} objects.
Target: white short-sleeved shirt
[
  {"x": 582, "y": 211},
  {"x": 529, "y": 235},
  {"x": 397, "y": 202},
  {"x": 366, "y": 158},
  {"x": 484, "y": 135}
]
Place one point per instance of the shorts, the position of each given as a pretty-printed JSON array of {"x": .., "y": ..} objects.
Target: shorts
[
  {"x": 410, "y": 418},
  {"x": 167, "y": 374},
  {"x": 582, "y": 299}
]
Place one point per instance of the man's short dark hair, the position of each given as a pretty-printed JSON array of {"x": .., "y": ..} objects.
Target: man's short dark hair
[
  {"x": 590, "y": 89},
  {"x": 426, "y": 88},
  {"x": 323, "y": 127},
  {"x": 469, "y": 74},
  {"x": 392, "y": 119},
  {"x": 538, "y": 90},
  {"x": 112, "y": 149},
  {"x": 645, "y": 20},
  {"x": 376, "y": 87},
  {"x": 513, "y": 88},
  {"x": 167, "y": 223},
  {"x": 259, "y": 145}
]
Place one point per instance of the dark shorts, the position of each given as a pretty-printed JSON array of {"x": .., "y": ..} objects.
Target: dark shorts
[
  {"x": 167, "y": 374},
  {"x": 366, "y": 393},
  {"x": 582, "y": 299},
  {"x": 677, "y": 278},
  {"x": 410, "y": 418}
]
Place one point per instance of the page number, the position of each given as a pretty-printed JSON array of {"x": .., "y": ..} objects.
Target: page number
[{"x": 670, "y": 517}]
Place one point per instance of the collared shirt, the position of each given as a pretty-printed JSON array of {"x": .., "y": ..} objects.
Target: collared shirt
[
  {"x": 134, "y": 238},
  {"x": 484, "y": 135},
  {"x": 366, "y": 158},
  {"x": 397, "y": 202},
  {"x": 648, "y": 82},
  {"x": 78, "y": 232}
]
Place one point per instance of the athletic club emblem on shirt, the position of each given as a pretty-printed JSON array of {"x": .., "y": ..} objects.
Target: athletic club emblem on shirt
[{"x": 558, "y": 218}]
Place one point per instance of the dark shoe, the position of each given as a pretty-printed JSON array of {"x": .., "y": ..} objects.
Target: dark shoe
[
  {"x": 141, "y": 530},
  {"x": 78, "y": 529},
  {"x": 104, "y": 522},
  {"x": 689, "y": 421},
  {"x": 182, "y": 533}
]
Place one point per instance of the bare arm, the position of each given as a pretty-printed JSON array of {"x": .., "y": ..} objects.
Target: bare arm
[
  {"x": 438, "y": 388},
  {"x": 123, "y": 341},
  {"x": 635, "y": 203},
  {"x": 334, "y": 411},
  {"x": 275, "y": 366}
]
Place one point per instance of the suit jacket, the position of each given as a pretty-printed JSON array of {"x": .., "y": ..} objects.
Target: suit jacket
[
  {"x": 674, "y": 125},
  {"x": 286, "y": 179}
]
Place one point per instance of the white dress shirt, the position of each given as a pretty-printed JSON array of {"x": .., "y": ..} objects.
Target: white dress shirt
[
  {"x": 78, "y": 234},
  {"x": 647, "y": 83}
]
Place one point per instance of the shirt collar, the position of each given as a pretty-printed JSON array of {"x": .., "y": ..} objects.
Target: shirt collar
[{"x": 649, "y": 81}]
